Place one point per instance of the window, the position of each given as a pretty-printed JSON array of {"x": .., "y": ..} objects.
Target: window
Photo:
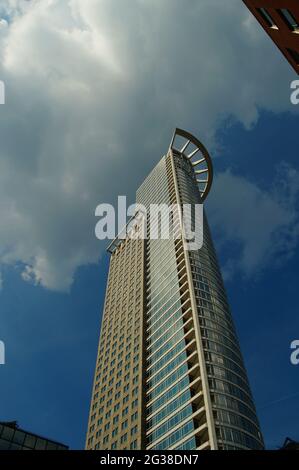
[
  {"x": 135, "y": 403},
  {"x": 267, "y": 17},
  {"x": 289, "y": 19},
  {"x": 294, "y": 55},
  {"x": 135, "y": 380},
  {"x": 18, "y": 437},
  {"x": 118, "y": 384},
  {"x": 124, "y": 425},
  {"x": 133, "y": 445}
]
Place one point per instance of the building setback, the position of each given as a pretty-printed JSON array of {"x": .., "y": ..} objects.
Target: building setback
[
  {"x": 169, "y": 371},
  {"x": 280, "y": 19}
]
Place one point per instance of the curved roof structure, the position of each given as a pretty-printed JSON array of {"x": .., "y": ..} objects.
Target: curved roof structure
[{"x": 192, "y": 149}]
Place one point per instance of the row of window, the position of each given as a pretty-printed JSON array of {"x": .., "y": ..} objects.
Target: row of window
[
  {"x": 115, "y": 420},
  {"x": 169, "y": 408},
  {"x": 225, "y": 374},
  {"x": 215, "y": 315},
  {"x": 114, "y": 445},
  {"x": 117, "y": 372},
  {"x": 220, "y": 359},
  {"x": 118, "y": 329},
  {"x": 163, "y": 399},
  {"x": 238, "y": 437},
  {"x": 234, "y": 404},
  {"x": 233, "y": 390},
  {"x": 286, "y": 15},
  {"x": 166, "y": 342},
  {"x": 123, "y": 439},
  {"x": 216, "y": 326},
  {"x": 170, "y": 424},
  {"x": 157, "y": 366},
  {"x": 229, "y": 418},
  {"x": 166, "y": 370},
  {"x": 175, "y": 437},
  {"x": 134, "y": 392},
  {"x": 117, "y": 395},
  {"x": 127, "y": 360},
  {"x": 289, "y": 20}
]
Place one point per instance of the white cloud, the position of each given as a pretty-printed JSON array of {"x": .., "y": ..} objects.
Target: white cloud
[
  {"x": 264, "y": 224},
  {"x": 93, "y": 91},
  {"x": 1, "y": 281}
]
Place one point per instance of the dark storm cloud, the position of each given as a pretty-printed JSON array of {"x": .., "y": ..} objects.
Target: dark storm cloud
[{"x": 94, "y": 90}]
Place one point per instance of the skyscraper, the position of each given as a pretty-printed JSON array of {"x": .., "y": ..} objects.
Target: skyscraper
[
  {"x": 280, "y": 20},
  {"x": 169, "y": 371}
]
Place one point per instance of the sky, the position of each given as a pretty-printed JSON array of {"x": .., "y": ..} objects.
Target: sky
[{"x": 94, "y": 90}]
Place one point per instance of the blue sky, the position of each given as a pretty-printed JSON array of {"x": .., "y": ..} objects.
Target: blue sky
[{"x": 92, "y": 99}]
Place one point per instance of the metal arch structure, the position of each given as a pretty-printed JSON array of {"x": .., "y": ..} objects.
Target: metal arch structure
[{"x": 199, "y": 158}]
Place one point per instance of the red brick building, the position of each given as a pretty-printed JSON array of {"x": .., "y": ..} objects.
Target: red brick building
[{"x": 280, "y": 19}]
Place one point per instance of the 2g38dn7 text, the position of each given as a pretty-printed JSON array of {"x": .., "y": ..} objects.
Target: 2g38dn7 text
[{"x": 170, "y": 459}]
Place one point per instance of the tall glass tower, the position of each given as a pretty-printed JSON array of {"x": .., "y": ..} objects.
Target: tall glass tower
[{"x": 169, "y": 371}]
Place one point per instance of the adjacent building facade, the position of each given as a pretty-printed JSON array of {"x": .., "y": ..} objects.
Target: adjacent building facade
[
  {"x": 169, "y": 371},
  {"x": 280, "y": 19},
  {"x": 12, "y": 437}
]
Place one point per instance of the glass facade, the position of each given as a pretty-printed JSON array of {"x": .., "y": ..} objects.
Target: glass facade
[
  {"x": 234, "y": 413},
  {"x": 166, "y": 334},
  {"x": 14, "y": 438}
]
